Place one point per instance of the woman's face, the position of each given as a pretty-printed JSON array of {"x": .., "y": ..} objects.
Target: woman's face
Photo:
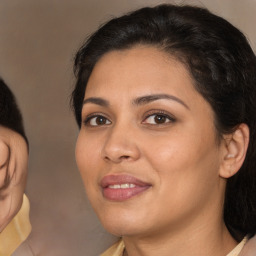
[{"x": 147, "y": 150}]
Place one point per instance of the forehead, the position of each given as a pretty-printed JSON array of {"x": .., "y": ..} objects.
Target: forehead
[{"x": 141, "y": 67}]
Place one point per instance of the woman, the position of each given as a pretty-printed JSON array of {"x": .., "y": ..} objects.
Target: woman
[{"x": 165, "y": 101}]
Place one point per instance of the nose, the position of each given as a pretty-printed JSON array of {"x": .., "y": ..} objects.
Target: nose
[{"x": 120, "y": 145}]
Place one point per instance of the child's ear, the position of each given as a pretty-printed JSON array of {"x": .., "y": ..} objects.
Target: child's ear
[
  {"x": 4, "y": 160},
  {"x": 235, "y": 148}
]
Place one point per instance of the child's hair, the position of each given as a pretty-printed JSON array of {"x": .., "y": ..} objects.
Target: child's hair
[{"x": 10, "y": 115}]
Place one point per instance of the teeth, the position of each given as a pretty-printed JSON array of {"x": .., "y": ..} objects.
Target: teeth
[
  {"x": 126, "y": 185},
  {"x": 114, "y": 186}
]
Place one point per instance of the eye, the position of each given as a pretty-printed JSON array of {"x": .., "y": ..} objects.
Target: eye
[
  {"x": 96, "y": 120},
  {"x": 158, "y": 119}
]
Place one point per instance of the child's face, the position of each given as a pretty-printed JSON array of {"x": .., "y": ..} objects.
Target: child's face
[{"x": 13, "y": 173}]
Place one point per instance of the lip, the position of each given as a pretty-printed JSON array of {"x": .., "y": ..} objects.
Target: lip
[{"x": 122, "y": 194}]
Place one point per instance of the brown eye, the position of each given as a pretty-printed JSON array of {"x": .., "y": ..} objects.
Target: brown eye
[
  {"x": 100, "y": 120},
  {"x": 97, "y": 121},
  {"x": 158, "y": 119}
]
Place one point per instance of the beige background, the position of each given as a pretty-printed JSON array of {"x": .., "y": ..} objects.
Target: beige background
[{"x": 38, "y": 40}]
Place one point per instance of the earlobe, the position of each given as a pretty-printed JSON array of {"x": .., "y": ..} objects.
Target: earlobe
[{"x": 236, "y": 145}]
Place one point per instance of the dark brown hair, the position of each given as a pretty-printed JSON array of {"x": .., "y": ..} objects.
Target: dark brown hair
[{"x": 10, "y": 115}]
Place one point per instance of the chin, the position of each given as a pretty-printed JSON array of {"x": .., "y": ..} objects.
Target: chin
[
  {"x": 122, "y": 229},
  {"x": 121, "y": 224}
]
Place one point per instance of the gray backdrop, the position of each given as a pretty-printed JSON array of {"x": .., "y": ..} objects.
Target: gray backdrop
[{"x": 38, "y": 40}]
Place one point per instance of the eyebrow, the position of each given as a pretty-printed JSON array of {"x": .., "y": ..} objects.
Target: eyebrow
[
  {"x": 149, "y": 98},
  {"x": 97, "y": 101},
  {"x": 138, "y": 101}
]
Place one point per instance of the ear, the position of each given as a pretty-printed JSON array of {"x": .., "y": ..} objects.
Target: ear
[
  {"x": 235, "y": 149},
  {"x": 13, "y": 172},
  {"x": 4, "y": 159}
]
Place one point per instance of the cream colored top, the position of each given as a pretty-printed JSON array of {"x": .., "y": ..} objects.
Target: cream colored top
[
  {"x": 16, "y": 231},
  {"x": 118, "y": 249},
  {"x": 115, "y": 250},
  {"x": 238, "y": 248}
]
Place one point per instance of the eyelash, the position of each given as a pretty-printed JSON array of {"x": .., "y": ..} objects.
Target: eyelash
[
  {"x": 159, "y": 113},
  {"x": 95, "y": 115},
  {"x": 167, "y": 117}
]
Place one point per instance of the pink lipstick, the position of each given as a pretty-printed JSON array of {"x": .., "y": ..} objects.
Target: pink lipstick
[{"x": 122, "y": 187}]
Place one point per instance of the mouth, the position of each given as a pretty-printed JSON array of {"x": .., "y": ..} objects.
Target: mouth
[{"x": 122, "y": 187}]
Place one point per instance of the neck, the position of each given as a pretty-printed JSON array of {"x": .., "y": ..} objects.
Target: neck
[{"x": 195, "y": 240}]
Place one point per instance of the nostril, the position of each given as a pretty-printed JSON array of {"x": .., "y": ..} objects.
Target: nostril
[
  {"x": 117, "y": 159},
  {"x": 106, "y": 158}
]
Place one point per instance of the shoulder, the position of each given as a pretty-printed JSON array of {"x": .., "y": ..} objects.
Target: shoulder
[
  {"x": 16, "y": 231},
  {"x": 115, "y": 250},
  {"x": 249, "y": 248}
]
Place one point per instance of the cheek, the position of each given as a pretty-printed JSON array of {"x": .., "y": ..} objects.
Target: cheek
[
  {"x": 182, "y": 160},
  {"x": 87, "y": 158},
  {"x": 186, "y": 167},
  {"x": 171, "y": 152}
]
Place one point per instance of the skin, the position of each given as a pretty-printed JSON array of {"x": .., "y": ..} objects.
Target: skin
[
  {"x": 13, "y": 166},
  {"x": 181, "y": 158}
]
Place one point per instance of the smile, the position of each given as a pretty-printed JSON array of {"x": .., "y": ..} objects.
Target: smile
[{"x": 122, "y": 187}]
